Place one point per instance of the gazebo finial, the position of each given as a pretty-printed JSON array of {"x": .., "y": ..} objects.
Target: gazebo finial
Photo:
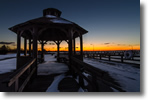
[{"x": 52, "y": 12}]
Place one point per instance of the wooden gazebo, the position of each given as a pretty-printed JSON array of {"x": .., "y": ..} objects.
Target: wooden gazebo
[{"x": 50, "y": 27}]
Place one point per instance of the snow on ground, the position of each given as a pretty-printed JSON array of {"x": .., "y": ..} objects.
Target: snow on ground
[
  {"x": 7, "y": 55},
  {"x": 7, "y": 65},
  {"x": 54, "y": 86},
  {"x": 126, "y": 75},
  {"x": 51, "y": 66}
]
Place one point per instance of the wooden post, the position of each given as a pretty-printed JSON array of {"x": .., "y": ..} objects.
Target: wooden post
[
  {"x": 70, "y": 48},
  {"x": 30, "y": 47},
  {"x": 18, "y": 44},
  {"x": 74, "y": 46},
  {"x": 42, "y": 54},
  {"x": 95, "y": 86},
  {"x": 35, "y": 49},
  {"x": 81, "y": 81},
  {"x": 100, "y": 56},
  {"x": 18, "y": 49},
  {"x": 25, "y": 47},
  {"x": 58, "y": 50},
  {"x": 70, "y": 44},
  {"x": 18, "y": 57},
  {"x": 122, "y": 58},
  {"x": 16, "y": 85},
  {"x": 109, "y": 57},
  {"x": 81, "y": 47},
  {"x": 70, "y": 51}
]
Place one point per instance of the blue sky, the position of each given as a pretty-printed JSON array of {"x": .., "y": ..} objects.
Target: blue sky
[{"x": 108, "y": 21}]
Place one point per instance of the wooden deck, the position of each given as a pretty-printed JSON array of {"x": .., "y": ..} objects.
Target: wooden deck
[
  {"x": 99, "y": 81},
  {"x": 68, "y": 84},
  {"x": 40, "y": 83}
]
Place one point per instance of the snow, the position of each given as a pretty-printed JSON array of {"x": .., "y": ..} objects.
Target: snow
[
  {"x": 50, "y": 16},
  {"x": 60, "y": 21},
  {"x": 125, "y": 74},
  {"x": 51, "y": 66},
  {"x": 54, "y": 86},
  {"x": 115, "y": 90},
  {"x": 7, "y": 55},
  {"x": 7, "y": 65}
]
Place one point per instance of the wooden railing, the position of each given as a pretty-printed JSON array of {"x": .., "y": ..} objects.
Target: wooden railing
[
  {"x": 116, "y": 58},
  {"x": 24, "y": 72},
  {"x": 96, "y": 75}
]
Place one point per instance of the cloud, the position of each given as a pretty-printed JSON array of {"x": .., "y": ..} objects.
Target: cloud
[
  {"x": 106, "y": 43},
  {"x": 121, "y": 44},
  {"x": 8, "y": 43}
]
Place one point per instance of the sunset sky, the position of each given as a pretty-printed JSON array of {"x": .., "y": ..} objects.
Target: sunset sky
[{"x": 111, "y": 24}]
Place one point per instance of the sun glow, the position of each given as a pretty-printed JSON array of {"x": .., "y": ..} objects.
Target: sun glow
[{"x": 91, "y": 48}]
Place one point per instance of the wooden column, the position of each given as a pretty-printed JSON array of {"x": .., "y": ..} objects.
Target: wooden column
[
  {"x": 42, "y": 48},
  {"x": 81, "y": 47},
  {"x": 74, "y": 46},
  {"x": 70, "y": 48},
  {"x": 30, "y": 47},
  {"x": 25, "y": 47},
  {"x": 35, "y": 49},
  {"x": 58, "y": 50},
  {"x": 109, "y": 57},
  {"x": 18, "y": 45},
  {"x": 18, "y": 49}
]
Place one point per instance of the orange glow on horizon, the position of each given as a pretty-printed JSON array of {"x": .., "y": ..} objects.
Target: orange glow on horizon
[
  {"x": 101, "y": 48},
  {"x": 88, "y": 47}
]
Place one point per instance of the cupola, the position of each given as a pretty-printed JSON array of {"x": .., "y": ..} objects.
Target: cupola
[{"x": 51, "y": 12}]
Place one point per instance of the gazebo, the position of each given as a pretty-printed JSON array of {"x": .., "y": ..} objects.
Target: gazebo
[{"x": 50, "y": 27}]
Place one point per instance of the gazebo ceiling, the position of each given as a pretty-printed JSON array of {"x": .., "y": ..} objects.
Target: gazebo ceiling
[{"x": 50, "y": 27}]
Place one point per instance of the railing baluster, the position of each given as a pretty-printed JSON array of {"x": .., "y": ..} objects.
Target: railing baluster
[{"x": 16, "y": 85}]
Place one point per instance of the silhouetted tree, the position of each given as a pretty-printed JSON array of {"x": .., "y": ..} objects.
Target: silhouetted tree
[{"x": 3, "y": 49}]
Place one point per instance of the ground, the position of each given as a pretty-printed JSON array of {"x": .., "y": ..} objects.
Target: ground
[{"x": 127, "y": 76}]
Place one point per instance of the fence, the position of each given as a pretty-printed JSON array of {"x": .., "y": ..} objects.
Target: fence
[
  {"x": 95, "y": 75},
  {"x": 21, "y": 77},
  {"x": 117, "y": 57}
]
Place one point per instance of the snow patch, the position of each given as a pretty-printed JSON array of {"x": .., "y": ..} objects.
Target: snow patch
[
  {"x": 51, "y": 66},
  {"x": 7, "y": 65},
  {"x": 54, "y": 86},
  {"x": 50, "y": 16},
  {"x": 7, "y": 55},
  {"x": 126, "y": 75},
  {"x": 60, "y": 21}
]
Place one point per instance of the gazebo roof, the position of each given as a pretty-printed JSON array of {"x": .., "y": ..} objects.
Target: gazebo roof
[{"x": 50, "y": 27}]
